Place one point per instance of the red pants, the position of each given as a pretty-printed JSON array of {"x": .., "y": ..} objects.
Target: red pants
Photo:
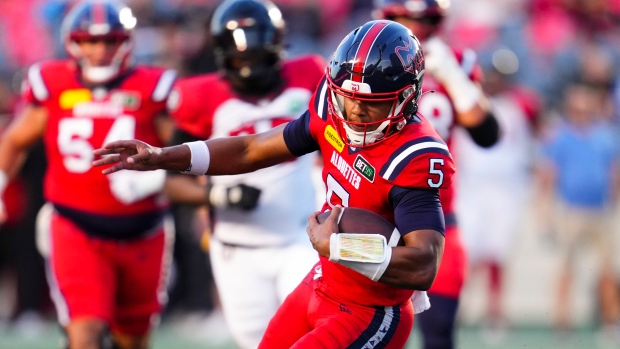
[
  {"x": 453, "y": 267},
  {"x": 119, "y": 282},
  {"x": 310, "y": 318}
]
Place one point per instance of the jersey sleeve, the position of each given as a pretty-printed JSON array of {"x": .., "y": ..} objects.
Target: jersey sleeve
[
  {"x": 185, "y": 109},
  {"x": 423, "y": 163},
  {"x": 470, "y": 65},
  {"x": 34, "y": 89}
]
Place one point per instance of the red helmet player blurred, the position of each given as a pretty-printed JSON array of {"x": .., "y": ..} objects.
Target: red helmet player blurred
[{"x": 99, "y": 20}]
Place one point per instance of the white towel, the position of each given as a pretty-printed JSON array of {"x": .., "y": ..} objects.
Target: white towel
[{"x": 420, "y": 301}]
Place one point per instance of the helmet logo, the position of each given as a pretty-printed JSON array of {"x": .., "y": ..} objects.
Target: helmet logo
[
  {"x": 407, "y": 62},
  {"x": 355, "y": 87}
]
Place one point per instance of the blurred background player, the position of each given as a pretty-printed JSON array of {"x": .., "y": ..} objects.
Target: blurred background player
[
  {"x": 106, "y": 239},
  {"x": 259, "y": 250},
  {"x": 377, "y": 155},
  {"x": 458, "y": 99},
  {"x": 494, "y": 184}
]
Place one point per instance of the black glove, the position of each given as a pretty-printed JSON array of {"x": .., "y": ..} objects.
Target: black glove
[{"x": 241, "y": 197}]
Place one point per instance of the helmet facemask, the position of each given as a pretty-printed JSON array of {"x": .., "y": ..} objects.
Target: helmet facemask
[
  {"x": 362, "y": 134},
  {"x": 101, "y": 74}
]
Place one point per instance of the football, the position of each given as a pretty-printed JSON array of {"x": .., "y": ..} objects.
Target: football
[{"x": 354, "y": 220}]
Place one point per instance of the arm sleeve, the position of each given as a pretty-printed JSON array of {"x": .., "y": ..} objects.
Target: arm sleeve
[
  {"x": 486, "y": 134},
  {"x": 416, "y": 209},
  {"x": 298, "y": 138}
]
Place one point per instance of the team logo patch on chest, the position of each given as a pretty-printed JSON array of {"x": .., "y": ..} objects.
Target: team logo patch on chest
[
  {"x": 364, "y": 168},
  {"x": 333, "y": 138},
  {"x": 127, "y": 100}
]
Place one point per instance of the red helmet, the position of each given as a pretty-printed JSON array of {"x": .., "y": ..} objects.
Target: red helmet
[
  {"x": 432, "y": 11},
  {"x": 379, "y": 61},
  {"x": 108, "y": 20}
]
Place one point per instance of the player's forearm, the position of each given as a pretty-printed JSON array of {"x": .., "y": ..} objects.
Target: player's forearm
[
  {"x": 235, "y": 155},
  {"x": 185, "y": 190},
  {"x": 414, "y": 267}
]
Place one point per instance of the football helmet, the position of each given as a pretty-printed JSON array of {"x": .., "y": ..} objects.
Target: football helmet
[
  {"x": 430, "y": 12},
  {"x": 247, "y": 36},
  {"x": 107, "y": 20},
  {"x": 379, "y": 61}
]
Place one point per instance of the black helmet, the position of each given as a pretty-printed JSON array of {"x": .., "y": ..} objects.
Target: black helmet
[
  {"x": 247, "y": 35},
  {"x": 379, "y": 61}
]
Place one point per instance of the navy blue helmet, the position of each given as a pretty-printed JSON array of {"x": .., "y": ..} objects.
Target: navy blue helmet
[
  {"x": 107, "y": 20},
  {"x": 379, "y": 61}
]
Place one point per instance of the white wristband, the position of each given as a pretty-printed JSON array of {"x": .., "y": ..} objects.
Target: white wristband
[
  {"x": 199, "y": 163},
  {"x": 4, "y": 181}
]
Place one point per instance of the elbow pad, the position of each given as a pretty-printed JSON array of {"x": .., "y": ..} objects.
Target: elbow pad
[{"x": 486, "y": 133}]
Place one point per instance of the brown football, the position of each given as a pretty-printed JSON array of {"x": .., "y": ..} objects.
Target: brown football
[{"x": 354, "y": 220}]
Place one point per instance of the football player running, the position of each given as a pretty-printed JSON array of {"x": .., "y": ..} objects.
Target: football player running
[
  {"x": 259, "y": 249},
  {"x": 106, "y": 239},
  {"x": 458, "y": 99},
  {"x": 378, "y": 154}
]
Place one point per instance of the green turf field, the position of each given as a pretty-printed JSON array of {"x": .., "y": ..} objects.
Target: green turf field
[{"x": 468, "y": 338}]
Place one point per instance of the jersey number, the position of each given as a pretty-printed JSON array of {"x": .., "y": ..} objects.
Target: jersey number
[
  {"x": 437, "y": 109},
  {"x": 435, "y": 170},
  {"x": 74, "y": 140},
  {"x": 336, "y": 194}
]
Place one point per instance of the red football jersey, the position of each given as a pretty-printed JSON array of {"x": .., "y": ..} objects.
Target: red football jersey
[
  {"x": 206, "y": 106},
  {"x": 82, "y": 119},
  {"x": 438, "y": 109},
  {"x": 362, "y": 177}
]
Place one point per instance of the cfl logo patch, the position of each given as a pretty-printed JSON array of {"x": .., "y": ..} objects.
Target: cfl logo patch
[{"x": 355, "y": 87}]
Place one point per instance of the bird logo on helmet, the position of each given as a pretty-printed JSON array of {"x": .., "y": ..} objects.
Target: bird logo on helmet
[
  {"x": 248, "y": 35},
  {"x": 106, "y": 20},
  {"x": 379, "y": 61}
]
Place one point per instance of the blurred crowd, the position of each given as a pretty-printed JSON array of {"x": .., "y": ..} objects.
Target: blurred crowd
[{"x": 552, "y": 74}]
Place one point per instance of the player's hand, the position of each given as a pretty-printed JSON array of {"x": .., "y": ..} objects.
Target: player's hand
[
  {"x": 320, "y": 234},
  {"x": 128, "y": 155},
  {"x": 241, "y": 196},
  {"x": 439, "y": 60}
]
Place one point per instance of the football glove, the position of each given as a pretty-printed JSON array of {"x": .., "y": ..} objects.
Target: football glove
[
  {"x": 441, "y": 64},
  {"x": 242, "y": 197}
]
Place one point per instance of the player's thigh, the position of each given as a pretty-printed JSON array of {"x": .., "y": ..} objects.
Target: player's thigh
[
  {"x": 81, "y": 273},
  {"x": 246, "y": 284},
  {"x": 453, "y": 268},
  {"x": 340, "y": 325},
  {"x": 291, "y": 322},
  {"x": 144, "y": 265},
  {"x": 297, "y": 260}
]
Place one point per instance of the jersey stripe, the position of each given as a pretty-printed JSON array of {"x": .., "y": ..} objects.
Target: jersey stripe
[
  {"x": 320, "y": 103},
  {"x": 99, "y": 13},
  {"x": 164, "y": 85},
  {"x": 380, "y": 330},
  {"x": 36, "y": 83},
  {"x": 410, "y": 150},
  {"x": 364, "y": 49}
]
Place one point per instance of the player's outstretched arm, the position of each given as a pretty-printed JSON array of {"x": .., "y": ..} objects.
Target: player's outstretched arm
[{"x": 223, "y": 156}]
